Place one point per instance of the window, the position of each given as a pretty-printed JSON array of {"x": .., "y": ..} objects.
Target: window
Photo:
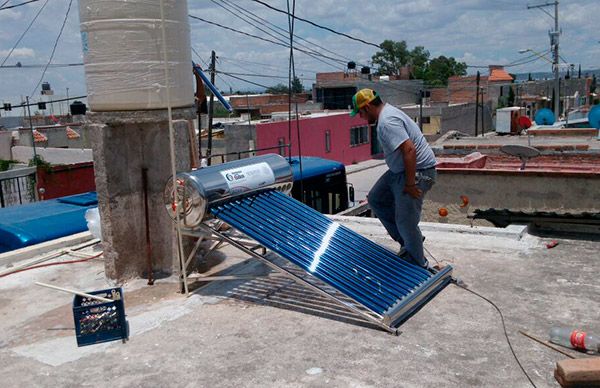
[
  {"x": 426, "y": 120},
  {"x": 281, "y": 143},
  {"x": 327, "y": 141},
  {"x": 359, "y": 135}
]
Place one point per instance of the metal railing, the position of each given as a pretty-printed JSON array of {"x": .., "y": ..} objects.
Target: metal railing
[
  {"x": 239, "y": 153},
  {"x": 17, "y": 186}
]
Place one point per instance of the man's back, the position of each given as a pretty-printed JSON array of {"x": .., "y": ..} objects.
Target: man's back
[{"x": 394, "y": 127}]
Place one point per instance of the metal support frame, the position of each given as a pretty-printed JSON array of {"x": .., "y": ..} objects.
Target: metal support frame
[
  {"x": 387, "y": 321},
  {"x": 370, "y": 316}
]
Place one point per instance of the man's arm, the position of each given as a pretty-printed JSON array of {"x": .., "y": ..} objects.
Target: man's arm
[{"x": 409, "y": 156}]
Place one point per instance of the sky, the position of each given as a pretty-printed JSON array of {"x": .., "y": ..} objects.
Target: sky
[{"x": 478, "y": 32}]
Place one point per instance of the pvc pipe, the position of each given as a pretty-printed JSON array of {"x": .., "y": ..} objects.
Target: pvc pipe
[{"x": 101, "y": 299}]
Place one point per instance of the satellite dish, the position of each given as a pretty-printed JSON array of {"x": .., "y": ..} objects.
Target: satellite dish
[
  {"x": 521, "y": 151},
  {"x": 594, "y": 117},
  {"x": 544, "y": 117}
]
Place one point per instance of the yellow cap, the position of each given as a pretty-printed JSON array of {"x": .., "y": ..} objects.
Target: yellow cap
[{"x": 362, "y": 98}]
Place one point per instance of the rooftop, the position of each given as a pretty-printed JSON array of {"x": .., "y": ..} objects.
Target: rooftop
[{"x": 265, "y": 330}]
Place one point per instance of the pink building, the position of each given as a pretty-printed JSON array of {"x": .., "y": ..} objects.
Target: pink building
[{"x": 335, "y": 136}]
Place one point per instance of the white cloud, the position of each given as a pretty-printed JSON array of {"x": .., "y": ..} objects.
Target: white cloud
[
  {"x": 23, "y": 52},
  {"x": 475, "y": 31},
  {"x": 9, "y": 14}
]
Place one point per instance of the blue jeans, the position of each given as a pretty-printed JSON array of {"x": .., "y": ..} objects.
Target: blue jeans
[{"x": 400, "y": 213}]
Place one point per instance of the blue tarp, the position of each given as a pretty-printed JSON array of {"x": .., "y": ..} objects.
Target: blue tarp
[{"x": 34, "y": 223}]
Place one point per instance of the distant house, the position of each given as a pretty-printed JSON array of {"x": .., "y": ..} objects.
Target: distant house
[{"x": 335, "y": 90}]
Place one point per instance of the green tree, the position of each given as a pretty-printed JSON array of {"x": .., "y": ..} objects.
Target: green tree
[
  {"x": 297, "y": 87},
  {"x": 392, "y": 57},
  {"x": 419, "y": 60},
  {"x": 278, "y": 89},
  {"x": 441, "y": 68},
  {"x": 511, "y": 96}
]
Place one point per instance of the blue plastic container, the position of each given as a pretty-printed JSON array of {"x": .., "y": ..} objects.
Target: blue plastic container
[{"x": 97, "y": 322}]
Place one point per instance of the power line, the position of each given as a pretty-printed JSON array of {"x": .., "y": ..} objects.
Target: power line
[
  {"x": 511, "y": 64},
  {"x": 54, "y": 48},
  {"x": 316, "y": 25},
  {"x": 16, "y": 5},
  {"x": 22, "y": 105},
  {"x": 271, "y": 35},
  {"x": 207, "y": 66},
  {"x": 37, "y": 66},
  {"x": 23, "y": 34},
  {"x": 314, "y": 52},
  {"x": 247, "y": 81},
  {"x": 232, "y": 60},
  {"x": 261, "y": 75},
  {"x": 263, "y": 39},
  {"x": 282, "y": 31}
]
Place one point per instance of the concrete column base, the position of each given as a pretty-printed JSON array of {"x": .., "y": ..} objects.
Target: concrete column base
[{"x": 123, "y": 144}]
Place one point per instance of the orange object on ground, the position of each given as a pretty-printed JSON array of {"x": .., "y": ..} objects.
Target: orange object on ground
[
  {"x": 443, "y": 212},
  {"x": 552, "y": 244},
  {"x": 465, "y": 201}
]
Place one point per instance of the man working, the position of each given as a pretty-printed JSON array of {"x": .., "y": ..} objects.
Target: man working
[{"x": 397, "y": 197}]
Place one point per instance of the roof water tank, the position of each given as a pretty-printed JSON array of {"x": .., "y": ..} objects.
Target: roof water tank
[{"x": 123, "y": 54}]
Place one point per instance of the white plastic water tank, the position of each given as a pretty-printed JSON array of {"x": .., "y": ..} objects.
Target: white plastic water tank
[{"x": 123, "y": 54}]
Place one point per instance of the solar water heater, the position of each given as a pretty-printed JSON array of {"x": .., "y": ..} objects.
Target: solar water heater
[{"x": 251, "y": 195}]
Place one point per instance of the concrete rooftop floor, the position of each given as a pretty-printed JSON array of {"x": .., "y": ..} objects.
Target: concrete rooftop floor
[{"x": 269, "y": 332}]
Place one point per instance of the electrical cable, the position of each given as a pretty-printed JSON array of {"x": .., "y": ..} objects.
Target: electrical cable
[
  {"x": 317, "y": 25},
  {"x": 266, "y": 40},
  {"x": 53, "y": 48},
  {"x": 38, "y": 66},
  {"x": 247, "y": 81},
  {"x": 231, "y": 60},
  {"x": 17, "y": 5},
  {"x": 259, "y": 75},
  {"x": 23, "y": 105},
  {"x": 207, "y": 66},
  {"x": 282, "y": 31},
  {"x": 292, "y": 75},
  {"x": 53, "y": 264},
  {"x": 25, "y": 32},
  {"x": 314, "y": 52},
  {"x": 510, "y": 64},
  {"x": 503, "y": 327}
]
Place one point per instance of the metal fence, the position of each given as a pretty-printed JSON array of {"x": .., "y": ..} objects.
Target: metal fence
[{"x": 17, "y": 186}]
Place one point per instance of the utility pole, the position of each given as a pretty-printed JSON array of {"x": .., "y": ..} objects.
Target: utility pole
[
  {"x": 477, "y": 103},
  {"x": 421, "y": 93},
  {"x": 31, "y": 127},
  {"x": 554, "y": 43},
  {"x": 482, "y": 119},
  {"x": 213, "y": 59}
]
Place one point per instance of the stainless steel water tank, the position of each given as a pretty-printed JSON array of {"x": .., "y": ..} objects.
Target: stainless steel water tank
[{"x": 199, "y": 189}]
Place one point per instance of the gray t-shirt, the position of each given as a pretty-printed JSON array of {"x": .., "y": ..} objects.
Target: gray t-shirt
[{"x": 394, "y": 127}]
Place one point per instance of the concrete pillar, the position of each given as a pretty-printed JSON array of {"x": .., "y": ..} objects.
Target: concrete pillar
[{"x": 123, "y": 143}]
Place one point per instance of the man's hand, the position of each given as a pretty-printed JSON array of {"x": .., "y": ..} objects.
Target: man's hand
[{"x": 413, "y": 191}]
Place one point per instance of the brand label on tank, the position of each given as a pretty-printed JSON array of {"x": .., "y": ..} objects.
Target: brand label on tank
[{"x": 248, "y": 178}]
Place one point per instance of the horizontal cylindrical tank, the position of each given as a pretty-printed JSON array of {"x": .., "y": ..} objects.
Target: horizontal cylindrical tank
[
  {"x": 123, "y": 54},
  {"x": 199, "y": 189}
]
